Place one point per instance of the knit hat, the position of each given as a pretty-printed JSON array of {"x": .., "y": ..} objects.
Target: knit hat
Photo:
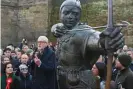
[
  {"x": 29, "y": 51},
  {"x": 70, "y": 3},
  {"x": 101, "y": 69},
  {"x": 124, "y": 59},
  {"x": 43, "y": 38}
]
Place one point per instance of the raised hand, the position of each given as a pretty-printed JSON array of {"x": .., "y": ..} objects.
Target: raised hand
[{"x": 37, "y": 61}]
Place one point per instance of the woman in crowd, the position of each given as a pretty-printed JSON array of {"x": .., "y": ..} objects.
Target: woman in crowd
[
  {"x": 8, "y": 79},
  {"x": 99, "y": 70},
  {"x": 4, "y": 60}
]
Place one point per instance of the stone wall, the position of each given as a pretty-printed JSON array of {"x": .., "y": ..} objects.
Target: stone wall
[
  {"x": 32, "y": 19},
  {"x": 128, "y": 33},
  {"x": 23, "y": 19},
  {"x": 8, "y": 21}
]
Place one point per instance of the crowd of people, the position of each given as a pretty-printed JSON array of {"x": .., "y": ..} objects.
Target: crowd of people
[
  {"x": 26, "y": 67},
  {"x": 122, "y": 69},
  {"x": 29, "y": 67}
]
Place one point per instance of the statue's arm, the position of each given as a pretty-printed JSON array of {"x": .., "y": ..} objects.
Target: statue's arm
[{"x": 94, "y": 42}]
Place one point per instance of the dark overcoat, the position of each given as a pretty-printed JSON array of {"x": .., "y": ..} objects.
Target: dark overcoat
[{"x": 44, "y": 76}]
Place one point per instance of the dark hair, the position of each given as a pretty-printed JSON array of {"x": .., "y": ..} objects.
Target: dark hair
[
  {"x": 7, "y": 49},
  {"x": 5, "y": 65},
  {"x": 10, "y": 44},
  {"x": 101, "y": 66},
  {"x": 22, "y": 52}
]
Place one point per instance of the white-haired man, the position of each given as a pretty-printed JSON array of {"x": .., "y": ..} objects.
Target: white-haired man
[{"x": 45, "y": 70}]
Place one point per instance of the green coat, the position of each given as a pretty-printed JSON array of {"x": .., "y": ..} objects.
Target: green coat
[
  {"x": 125, "y": 78},
  {"x": 13, "y": 85}
]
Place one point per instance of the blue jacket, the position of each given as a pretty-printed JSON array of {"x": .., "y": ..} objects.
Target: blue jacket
[{"x": 44, "y": 77}]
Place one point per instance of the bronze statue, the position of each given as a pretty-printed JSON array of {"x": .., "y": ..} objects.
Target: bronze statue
[{"x": 79, "y": 46}]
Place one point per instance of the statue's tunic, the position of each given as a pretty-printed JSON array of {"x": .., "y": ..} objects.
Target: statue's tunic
[{"x": 78, "y": 49}]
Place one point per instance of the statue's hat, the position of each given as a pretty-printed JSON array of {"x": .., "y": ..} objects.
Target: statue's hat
[{"x": 70, "y": 3}]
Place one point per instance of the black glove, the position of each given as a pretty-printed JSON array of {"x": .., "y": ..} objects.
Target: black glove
[{"x": 116, "y": 40}]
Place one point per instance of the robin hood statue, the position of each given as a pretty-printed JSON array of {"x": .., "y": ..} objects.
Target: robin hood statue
[{"x": 79, "y": 47}]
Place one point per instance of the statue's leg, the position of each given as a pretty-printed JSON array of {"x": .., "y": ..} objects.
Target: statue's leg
[{"x": 87, "y": 81}]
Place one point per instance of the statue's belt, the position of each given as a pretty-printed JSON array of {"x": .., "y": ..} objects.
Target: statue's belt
[
  {"x": 67, "y": 70},
  {"x": 72, "y": 75}
]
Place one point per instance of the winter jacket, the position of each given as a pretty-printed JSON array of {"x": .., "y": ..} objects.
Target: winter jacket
[
  {"x": 25, "y": 82},
  {"x": 125, "y": 78},
  {"x": 15, "y": 81},
  {"x": 44, "y": 77}
]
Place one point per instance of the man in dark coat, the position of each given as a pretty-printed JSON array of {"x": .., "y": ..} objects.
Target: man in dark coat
[
  {"x": 25, "y": 77},
  {"x": 44, "y": 74},
  {"x": 124, "y": 78}
]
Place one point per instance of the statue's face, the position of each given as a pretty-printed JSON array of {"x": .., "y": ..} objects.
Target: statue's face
[{"x": 70, "y": 16}]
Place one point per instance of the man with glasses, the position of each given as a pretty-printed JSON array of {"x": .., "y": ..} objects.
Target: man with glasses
[{"x": 25, "y": 77}]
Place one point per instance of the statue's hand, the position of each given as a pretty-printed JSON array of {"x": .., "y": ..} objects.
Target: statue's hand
[
  {"x": 57, "y": 30},
  {"x": 116, "y": 38}
]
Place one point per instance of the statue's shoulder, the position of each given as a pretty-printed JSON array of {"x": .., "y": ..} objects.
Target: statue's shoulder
[
  {"x": 87, "y": 28},
  {"x": 83, "y": 26}
]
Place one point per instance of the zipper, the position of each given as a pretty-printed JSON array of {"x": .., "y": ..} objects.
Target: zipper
[{"x": 25, "y": 84}]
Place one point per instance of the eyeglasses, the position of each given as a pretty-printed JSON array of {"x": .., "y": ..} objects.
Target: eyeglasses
[
  {"x": 39, "y": 42},
  {"x": 24, "y": 68}
]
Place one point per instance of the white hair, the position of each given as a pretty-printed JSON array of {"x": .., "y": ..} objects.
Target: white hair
[
  {"x": 22, "y": 66},
  {"x": 42, "y": 38}
]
